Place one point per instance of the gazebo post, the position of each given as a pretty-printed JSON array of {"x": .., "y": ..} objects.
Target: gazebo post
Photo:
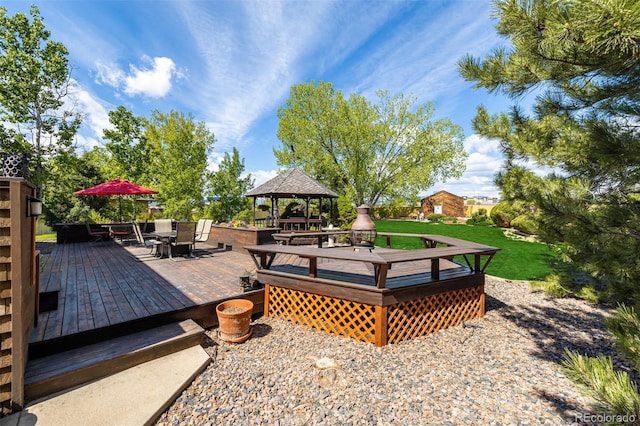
[
  {"x": 254, "y": 211},
  {"x": 331, "y": 209}
]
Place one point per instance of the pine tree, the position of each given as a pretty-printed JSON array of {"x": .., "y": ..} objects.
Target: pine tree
[{"x": 581, "y": 58}]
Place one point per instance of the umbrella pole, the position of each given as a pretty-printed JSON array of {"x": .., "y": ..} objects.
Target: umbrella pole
[{"x": 120, "y": 199}]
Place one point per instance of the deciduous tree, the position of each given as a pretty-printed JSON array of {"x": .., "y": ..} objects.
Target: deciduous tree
[
  {"x": 68, "y": 174},
  {"x": 34, "y": 91},
  {"x": 128, "y": 149},
  {"x": 367, "y": 151},
  {"x": 178, "y": 160},
  {"x": 227, "y": 188}
]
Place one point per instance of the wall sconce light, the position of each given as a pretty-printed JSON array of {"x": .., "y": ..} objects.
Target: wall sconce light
[{"x": 34, "y": 207}]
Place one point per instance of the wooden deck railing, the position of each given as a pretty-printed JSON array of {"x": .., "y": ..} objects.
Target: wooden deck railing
[{"x": 381, "y": 260}]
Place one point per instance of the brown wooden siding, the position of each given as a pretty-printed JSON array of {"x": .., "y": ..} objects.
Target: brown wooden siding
[
  {"x": 452, "y": 205},
  {"x": 18, "y": 289}
]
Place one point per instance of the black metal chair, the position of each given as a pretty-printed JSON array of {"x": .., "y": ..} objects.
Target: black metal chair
[
  {"x": 152, "y": 243},
  {"x": 185, "y": 237}
]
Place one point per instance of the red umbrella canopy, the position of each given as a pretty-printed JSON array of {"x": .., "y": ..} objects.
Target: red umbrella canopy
[{"x": 116, "y": 187}]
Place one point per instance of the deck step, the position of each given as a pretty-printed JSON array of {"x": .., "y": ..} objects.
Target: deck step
[{"x": 62, "y": 371}]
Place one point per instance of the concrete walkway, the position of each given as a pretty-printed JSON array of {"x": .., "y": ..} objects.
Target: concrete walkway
[{"x": 135, "y": 397}]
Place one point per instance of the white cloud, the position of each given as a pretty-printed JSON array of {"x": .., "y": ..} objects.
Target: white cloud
[
  {"x": 484, "y": 161},
  {"x": 86, "y": 143},
  {"x": 481, "y": 144},
  {"x": 262, "y": 176},
  {"x": 153, "y": 79},
  {"x": 109, "y": 75},
  {"x": 154, "y": 82},
  {"x": 96, "y": 116}
]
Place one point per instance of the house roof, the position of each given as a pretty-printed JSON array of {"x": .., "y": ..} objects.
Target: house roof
[
  {"x": 292, "y": 183},
  {"x": 443, "y": 192}
]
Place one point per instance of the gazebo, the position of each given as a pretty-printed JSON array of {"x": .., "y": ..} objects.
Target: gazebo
[{"x": 292, "y": 183}]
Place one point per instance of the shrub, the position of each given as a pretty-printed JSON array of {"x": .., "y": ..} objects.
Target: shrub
[
  {"x": 245, "y": 216},
  {"x": 613, "y": 390},
  {"x": 346, "y": 212},
  {"x": 479, "y": 218},
  {"x": 435, "y": 217},
  {"x": 525, "y": 223},
  {"x": 625, "y": 329},
  {"x": 553, "y": 286},
  {"x": 503, "y": 213}
]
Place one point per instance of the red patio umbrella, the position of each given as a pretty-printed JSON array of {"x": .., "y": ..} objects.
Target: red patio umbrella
[{"x": 117, "y": 187}]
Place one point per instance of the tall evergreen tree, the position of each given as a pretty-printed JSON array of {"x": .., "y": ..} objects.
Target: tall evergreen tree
[{"x": 582, "y": 57}]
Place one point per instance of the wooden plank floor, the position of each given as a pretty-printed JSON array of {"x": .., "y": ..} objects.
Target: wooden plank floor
[{"x": 103, "y": 284}]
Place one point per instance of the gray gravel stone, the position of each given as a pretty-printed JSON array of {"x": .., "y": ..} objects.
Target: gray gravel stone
[{"x": 503, "y": 369}]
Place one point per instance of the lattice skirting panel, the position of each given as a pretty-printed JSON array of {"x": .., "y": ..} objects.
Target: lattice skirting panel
[
  {"x": 334, "y": 316},
  {"x": 375, "y": 324},
  {"x": 408, "y": 320}
]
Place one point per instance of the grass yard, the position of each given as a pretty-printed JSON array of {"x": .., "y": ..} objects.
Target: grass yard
[
  {"x": 517, "y": 259},
  {"x": 46, "y": 237}
]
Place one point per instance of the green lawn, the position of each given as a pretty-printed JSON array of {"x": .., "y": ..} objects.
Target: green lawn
[
  {"x": 45, "y": 237},
  {"x": 517, "y": 259}
]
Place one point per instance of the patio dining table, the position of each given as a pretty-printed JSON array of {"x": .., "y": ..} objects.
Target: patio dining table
[{"x": 166, "y": 238}]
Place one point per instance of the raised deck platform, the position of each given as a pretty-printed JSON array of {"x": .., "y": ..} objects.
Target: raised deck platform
[
  {"x": 106, "y": 290},
  {"x": 118, "y": 306},
  {"x": 379, "y": 296}
]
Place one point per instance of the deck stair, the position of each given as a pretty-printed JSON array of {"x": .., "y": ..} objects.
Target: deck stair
[{"x": 61, "y": 371}]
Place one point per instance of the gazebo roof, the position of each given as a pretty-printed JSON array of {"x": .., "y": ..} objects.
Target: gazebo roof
[{"x": 292, "y": 183}]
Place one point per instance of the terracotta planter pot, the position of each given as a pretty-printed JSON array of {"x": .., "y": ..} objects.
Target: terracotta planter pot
[{"x": 234, "y": 319}]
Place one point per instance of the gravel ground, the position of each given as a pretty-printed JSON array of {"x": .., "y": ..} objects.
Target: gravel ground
[{"x": 500, "y": 370}]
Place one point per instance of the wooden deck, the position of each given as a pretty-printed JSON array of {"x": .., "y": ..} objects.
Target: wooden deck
[{"x": 102, "y": 285}]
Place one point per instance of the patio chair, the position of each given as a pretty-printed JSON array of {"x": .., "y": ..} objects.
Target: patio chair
[
  {"x": 163, "y": 225},
  {"x": 203, "y": 236},
  {"x": 97, "y": 234},
  {"x": 185, "y": 237},
  {"x": 200, "y": 227},
  {"x": 147, "y": 242}
]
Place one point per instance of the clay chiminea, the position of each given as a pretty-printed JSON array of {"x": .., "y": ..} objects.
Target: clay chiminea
[{"x": 363, "y": 231}]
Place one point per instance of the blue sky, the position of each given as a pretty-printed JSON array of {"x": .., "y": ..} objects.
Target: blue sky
[{"x": 231, "y": 64}]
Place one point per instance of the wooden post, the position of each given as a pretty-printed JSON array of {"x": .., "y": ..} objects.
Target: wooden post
[
  {"x": 313, "y": 267},
  {"x": 266, "y": 301},
  {"x": 381, "y": 275},
  {"x": 18, "y": 289},
  {"x": 435, "y": 269},
  {"x": 380, "y": 321}
]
